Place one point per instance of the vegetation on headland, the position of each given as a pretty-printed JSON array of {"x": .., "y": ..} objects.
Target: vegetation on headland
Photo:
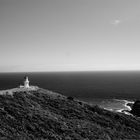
[{"x": 45, "y": 115}]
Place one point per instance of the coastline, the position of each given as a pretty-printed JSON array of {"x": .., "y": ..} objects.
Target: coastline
[
  {"x": 127, "y": 105},
  {"x": 114, "y": 105}
]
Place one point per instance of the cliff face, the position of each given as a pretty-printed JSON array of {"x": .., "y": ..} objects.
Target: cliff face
[
  {"x": 136, "y": 108},
  {"x": 43, "y": 114}
]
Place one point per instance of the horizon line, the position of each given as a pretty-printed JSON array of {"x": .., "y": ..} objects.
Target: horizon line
[{"x": 72, "y": 71}]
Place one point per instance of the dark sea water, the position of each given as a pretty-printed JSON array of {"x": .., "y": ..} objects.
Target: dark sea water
[{"x": 96, "y": 87}]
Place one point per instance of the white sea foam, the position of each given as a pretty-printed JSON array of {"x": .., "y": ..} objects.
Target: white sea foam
[
  {"x": 116, "y": 105},
  {"x": 125, "y": 103}
]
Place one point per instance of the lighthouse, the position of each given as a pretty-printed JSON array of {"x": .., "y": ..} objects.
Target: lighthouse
[
  {"x": 26, "y": 82},
  {"x": 26, "y": 87}
]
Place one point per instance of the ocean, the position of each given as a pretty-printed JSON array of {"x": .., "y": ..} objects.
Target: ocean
[{"x": 107, "y": 89}]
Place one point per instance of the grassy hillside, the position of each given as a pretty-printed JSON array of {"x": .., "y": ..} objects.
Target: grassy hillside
[{"x": 45, "y": 115}]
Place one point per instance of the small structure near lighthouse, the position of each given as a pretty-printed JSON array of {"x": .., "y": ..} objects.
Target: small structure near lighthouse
[
  {"x": 26, "y": 82},
  {"x": 22, "y": 88}
]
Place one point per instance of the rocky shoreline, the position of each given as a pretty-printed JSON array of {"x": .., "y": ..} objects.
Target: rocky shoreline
[
  {"x": 128, "y": 105},
  {"x": 133, "y": 108}
]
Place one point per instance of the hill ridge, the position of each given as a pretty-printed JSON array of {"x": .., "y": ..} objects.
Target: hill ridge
[{"x": 46, "y": 115}]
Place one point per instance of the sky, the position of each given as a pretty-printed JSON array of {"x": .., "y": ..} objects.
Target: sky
[{"x": 69, "y": 35}]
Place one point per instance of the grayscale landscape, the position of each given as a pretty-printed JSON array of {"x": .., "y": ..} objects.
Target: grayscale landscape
[{"x": 69, "y": 70}]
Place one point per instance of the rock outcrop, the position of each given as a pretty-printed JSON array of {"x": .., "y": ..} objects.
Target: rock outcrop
[{"x": 136, "y": 108}]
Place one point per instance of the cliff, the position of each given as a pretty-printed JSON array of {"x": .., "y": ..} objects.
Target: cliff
[
  {"x": 136, "y": 108},
  {"x": 45, "y": 115}
]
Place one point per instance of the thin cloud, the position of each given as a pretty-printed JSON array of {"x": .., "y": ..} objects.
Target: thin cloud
[{"x": 115, "y": 22}]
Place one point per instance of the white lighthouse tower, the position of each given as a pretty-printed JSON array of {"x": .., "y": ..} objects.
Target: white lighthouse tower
[{"x": 26, "y": 82}]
